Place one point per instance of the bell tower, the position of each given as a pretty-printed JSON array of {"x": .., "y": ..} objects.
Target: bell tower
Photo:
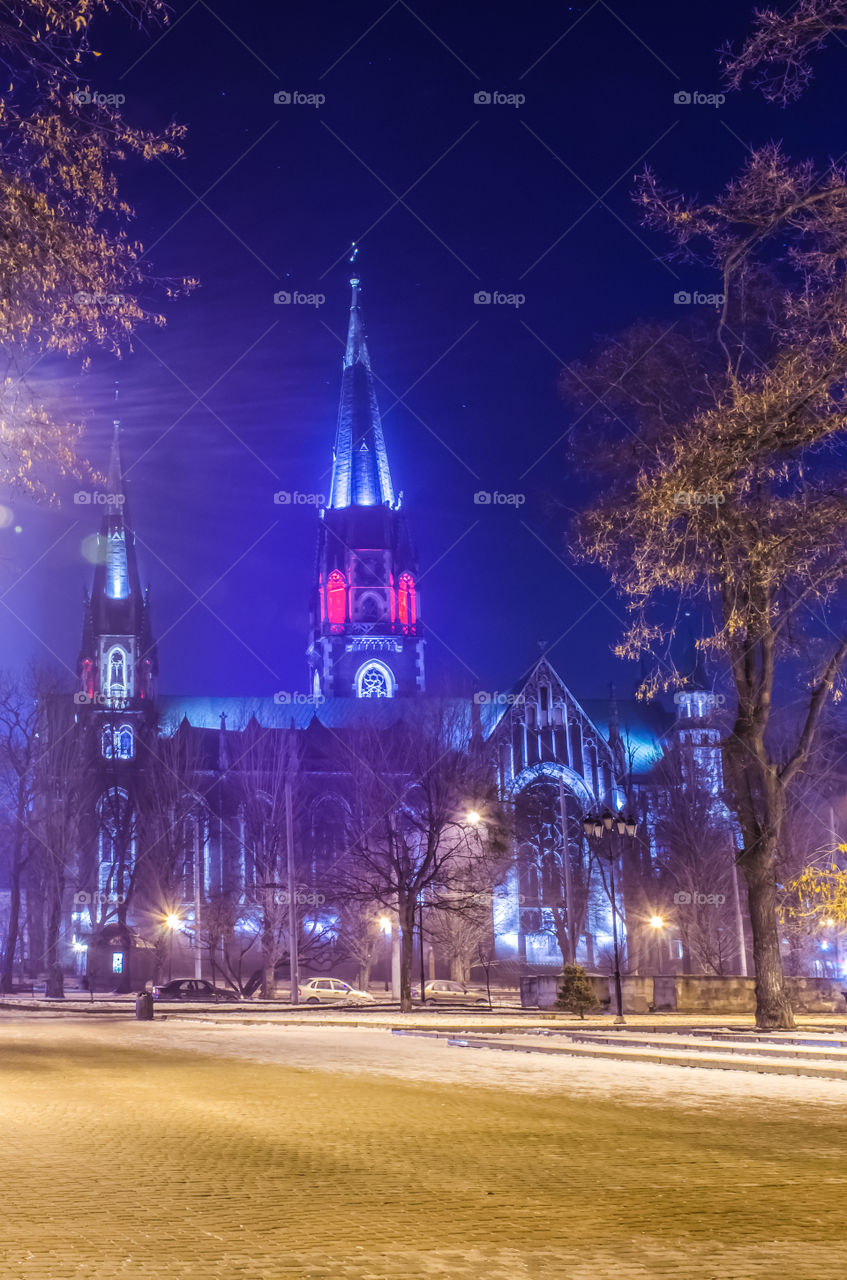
[
  {"x": 117, "y": 662},
  {"x": 365, "y": 632}
]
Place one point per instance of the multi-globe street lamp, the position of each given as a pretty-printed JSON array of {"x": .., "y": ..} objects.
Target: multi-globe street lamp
[{"x": 600, "y": 829}]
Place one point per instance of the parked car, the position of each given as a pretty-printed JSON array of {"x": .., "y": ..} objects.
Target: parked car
[
  {"x": 332, "y": 991},
  {"x": 193, "y": 989},
  {"x": 442, "y": 991}
]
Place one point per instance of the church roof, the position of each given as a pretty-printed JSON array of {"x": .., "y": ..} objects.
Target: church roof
[
  {"x": 301, "y": 711},
  {"x": 360, "y": 472},
  {"x": 642, "y": 726}
]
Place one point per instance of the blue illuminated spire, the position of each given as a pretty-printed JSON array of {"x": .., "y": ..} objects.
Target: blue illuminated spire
[
  {"x": 360, "y": 473},
  {"x": 117, "y": 565}
]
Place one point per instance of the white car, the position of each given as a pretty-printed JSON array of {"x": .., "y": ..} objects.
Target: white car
[
  {"x": 445, "y": 992},
  {"x": 332, "y": 991}
]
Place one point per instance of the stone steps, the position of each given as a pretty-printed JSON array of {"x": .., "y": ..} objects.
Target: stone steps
[{"x": 703, "y": 1058}]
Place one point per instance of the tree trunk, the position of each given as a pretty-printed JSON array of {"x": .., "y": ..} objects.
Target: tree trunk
[
  {"x": 7, "y": 975},
  {"x": 55, "y": 976},
  {"x": 268, "y": 966},
  {"x": 773, "y": 1008},
  {"x": 407, "y": 942}
]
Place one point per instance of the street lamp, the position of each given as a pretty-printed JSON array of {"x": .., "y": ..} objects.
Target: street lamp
[
  {"x": 473, "y": 817},
  {"x": 173, "y": 921},
  {"x": 657, "y": 923},
  {"x": 385, "y": 930},
  {"x": 600, "y": 828}
]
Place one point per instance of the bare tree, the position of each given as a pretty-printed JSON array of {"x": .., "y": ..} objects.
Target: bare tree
[
  {"x": 545, "y": 861},
  {"x": 62, "y": 793},
  {"x": 170, "y": 805},
  {"x": 726, "y": 487},
  {"x": 696, "y": 851},
  {"x": 359, "y": 934},
  {"x": 779, "y": 52},
  {"x": 414, "y": 785},
  {"x": 266, "y": 771},
  {"x": 19, "y": 751}
]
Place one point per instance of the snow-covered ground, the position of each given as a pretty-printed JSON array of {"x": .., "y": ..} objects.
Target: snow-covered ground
[{"x": 378, "y": 1052}]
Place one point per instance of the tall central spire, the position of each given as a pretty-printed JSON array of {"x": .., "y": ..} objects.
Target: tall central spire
[
  {"x": 114, "y": 528},
  {"x": 360, "y": 472}
]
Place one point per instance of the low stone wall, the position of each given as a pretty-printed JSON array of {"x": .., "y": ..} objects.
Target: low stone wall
[
  {"x": 817, "y": 995},
  {"x": 687, "y": 993},
  {"x": 636, "y": 994},
  {"x": 540, "y": 991},
  {"x": 708, "y": 993}
]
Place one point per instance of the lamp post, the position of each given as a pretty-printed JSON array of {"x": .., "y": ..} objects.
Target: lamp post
[
  {"x": 600, "y": 828},
  {"x": 420, "y": 933},
  {"x": 657, "y": 924},
  {"x": 173, "y": 922},
  {"x": 385, "y": 930}
]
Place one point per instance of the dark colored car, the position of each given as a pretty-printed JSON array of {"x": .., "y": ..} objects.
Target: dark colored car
[{"x": 193, "y": 989}]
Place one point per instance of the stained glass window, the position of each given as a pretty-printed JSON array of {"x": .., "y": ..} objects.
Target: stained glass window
[
  {"x": 406, "y": 601},
  {"x": 375, "y": 681},
  {"x": 336, "y": 599}
]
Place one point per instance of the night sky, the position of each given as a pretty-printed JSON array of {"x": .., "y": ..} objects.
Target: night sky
[{"x": 237, "y": 397}]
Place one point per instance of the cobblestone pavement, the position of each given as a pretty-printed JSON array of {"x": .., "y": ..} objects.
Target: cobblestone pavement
[{"x": 168, "y": 1150}]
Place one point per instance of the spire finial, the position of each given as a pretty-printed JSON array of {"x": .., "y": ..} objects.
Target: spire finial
[{"x": 355, "y": 281}]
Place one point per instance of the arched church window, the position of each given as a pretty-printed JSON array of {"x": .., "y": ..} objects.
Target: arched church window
[
  {"x": 329, "y": 826},
  {"x": 406, "y": 607},
  {"x": 116, "y": 841},
  {"x": 106, "y": 745},
  {"x": 374, "y": 680},
  {"x": 336, "y": 599},
  {"x": 117, "y": 673},
  {"x": 125, "y": 742},
  {"x": 370, "y": 608}
]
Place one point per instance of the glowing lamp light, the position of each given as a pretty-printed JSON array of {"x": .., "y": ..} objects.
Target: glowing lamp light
[
  {"x": 172, "y": 920},
  {"x": 824, "y": 946},
  {"x": 657, "y": 922},
  {"x": 473, "y": 818},
  {"x": 830, "y": 924}
]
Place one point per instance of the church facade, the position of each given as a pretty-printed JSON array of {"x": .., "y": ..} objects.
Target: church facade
[{"x": 556, "y": 758}]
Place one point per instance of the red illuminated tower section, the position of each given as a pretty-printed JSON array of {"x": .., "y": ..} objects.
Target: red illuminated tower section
[{"x": 366, "y": 639}]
